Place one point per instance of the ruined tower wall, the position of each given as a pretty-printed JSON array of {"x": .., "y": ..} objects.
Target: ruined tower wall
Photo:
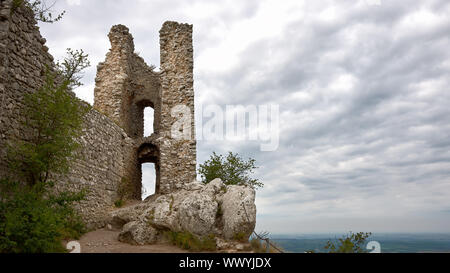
[
  {"x": 178, "y": 156},
  {"x": 125, "y": 85},
  {"x": 106, "y": 152}
]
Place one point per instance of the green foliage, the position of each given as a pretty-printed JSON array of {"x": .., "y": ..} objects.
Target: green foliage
[
  {"x": 119, "y": 203},
  {"x": 191, "y": 242},
  {"x": 232, "y": 169},
  {"x": 72, "y": 66},
  {"x": 34, "y": 216},
  {"x": 33, "y": 220},
  {"x": 42, "y": 12},
  {"x": 240, "y": 236},
  {"x": 350, "y": 243},
  {"x": 54, "y": 118}
]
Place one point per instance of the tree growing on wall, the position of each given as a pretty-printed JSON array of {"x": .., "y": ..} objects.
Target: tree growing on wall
[
  {"x": 231, "y": 169},
  {"x": 41, "y": 10},
  {"x": 33, "y": 217},
  {"x": 53, "y": 116}
]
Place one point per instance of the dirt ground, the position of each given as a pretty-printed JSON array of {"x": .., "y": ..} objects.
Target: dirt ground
[{"x": 105, "y": 241}]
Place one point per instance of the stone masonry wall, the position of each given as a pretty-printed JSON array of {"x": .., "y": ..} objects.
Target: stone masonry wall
[
  {"x": 177, "y": 88},
  {"x": 23, "y": 57},
  {"x": 113, "y": 146},
  {"x": 100, "y": 166},
  {"x": 125, "y": 85},
  {"x": 107, "y": 151}
]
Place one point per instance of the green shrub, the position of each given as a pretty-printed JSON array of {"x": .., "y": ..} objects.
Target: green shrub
[
  {"x": 240, "y": 236},
  {"x": 232, "y": 170},
  {"x": 40, "y": 10},
  {"x": 119, "y": 203},
  {"x": 191, "y": 242},
  {"x": 34, "y": 221},
  {"x": 350, "y": 243},
  {"x": 34, "y": 217}
]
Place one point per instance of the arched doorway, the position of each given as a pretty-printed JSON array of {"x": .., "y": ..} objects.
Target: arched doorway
[{"x": 149, "y": 153}]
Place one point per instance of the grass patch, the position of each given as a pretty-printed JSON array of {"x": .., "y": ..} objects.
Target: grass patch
[
  {"x": 260, "y": 246},
  {"x": 191, "y": 242},
  {"x": 241, "y": 237},
  {"x": 119, "y": 203}
]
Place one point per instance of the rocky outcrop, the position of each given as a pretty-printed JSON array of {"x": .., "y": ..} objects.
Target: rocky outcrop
[{"x": 226, "y": 211}]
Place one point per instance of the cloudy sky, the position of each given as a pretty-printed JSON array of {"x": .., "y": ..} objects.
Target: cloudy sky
[{"x": 362, "y": 88}]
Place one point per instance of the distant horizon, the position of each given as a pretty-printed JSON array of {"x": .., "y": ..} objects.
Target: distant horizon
[{"x": 273, "y": 235}]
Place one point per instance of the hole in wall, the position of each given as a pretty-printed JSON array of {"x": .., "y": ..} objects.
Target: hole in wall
[
  {"x": 148, "y": 179},
  {"x": 148, "y": 121}
]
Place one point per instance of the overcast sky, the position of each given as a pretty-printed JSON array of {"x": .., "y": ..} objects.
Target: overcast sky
[{"x": 362, "y": 88}]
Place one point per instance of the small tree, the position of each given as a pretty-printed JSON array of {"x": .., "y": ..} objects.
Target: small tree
[
  {"x": 54, "y": 117},
  {"x": 350, "y": 243},
  {"x": 232, "y": 170},
  {"x": 33, "y": 217},
  {"x": 41, "y": 10}
]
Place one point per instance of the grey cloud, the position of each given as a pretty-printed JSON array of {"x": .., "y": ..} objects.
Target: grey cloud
[{"x": 344, "y": 144}]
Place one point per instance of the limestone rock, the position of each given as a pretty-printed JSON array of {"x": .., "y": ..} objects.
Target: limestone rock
[
  {"x": 213, "y": 208},
  {"x": 193, "y": 186},
  {"x": 238, "y": 221},
  {"x": 214, "y": 187},
  {"x": 161, "y": 214},
  {"x": 125, "y": 215},
  {"x": 197, "y": 213},
  {"x": 138, "y": 233}
]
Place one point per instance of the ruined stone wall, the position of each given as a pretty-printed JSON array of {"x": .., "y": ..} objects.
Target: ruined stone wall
[
  {"x": 125, "y": 85},
  {"x": 112, "y": 144},
  {"x": 107, "y": 151},
  {"x": 23, "y": 58},
  {"x": 100, "y": 166},
  {"x": 177, "y": 89}
]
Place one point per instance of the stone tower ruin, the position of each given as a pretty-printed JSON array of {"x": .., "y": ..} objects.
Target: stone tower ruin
[
  {"x": 125, "y": 85},
  {"x": 112, "y": 144}
]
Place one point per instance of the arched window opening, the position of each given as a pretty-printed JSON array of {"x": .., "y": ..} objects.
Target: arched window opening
[
  {"x": 148, "y": 179},
  {"x": 148, "y": 121}
]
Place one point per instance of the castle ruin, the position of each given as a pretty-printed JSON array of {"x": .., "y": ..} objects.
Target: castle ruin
[
  {"x": 125, "y": 85},
  {"x": 113, "y": 143}
]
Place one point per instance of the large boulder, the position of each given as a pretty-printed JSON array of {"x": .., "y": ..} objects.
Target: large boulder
[
  {"x": 227, "y": 212},
  {"x": 197, "y": 213},
  {"x": 138, "y": 233},
  {"x": 239, "y": 212}
]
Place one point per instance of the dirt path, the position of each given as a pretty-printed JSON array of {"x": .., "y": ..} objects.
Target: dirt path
[{"x": 105, "y": 241}]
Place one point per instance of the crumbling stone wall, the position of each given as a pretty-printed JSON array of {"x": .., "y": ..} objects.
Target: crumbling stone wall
[
  {"x": 107, "y": 151},
  {"x": 177, "y": 155},
  {"x": 113, "y": 146},
  {"x": 125, "y": 85},
  {"x": 23, "y": 59}
]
